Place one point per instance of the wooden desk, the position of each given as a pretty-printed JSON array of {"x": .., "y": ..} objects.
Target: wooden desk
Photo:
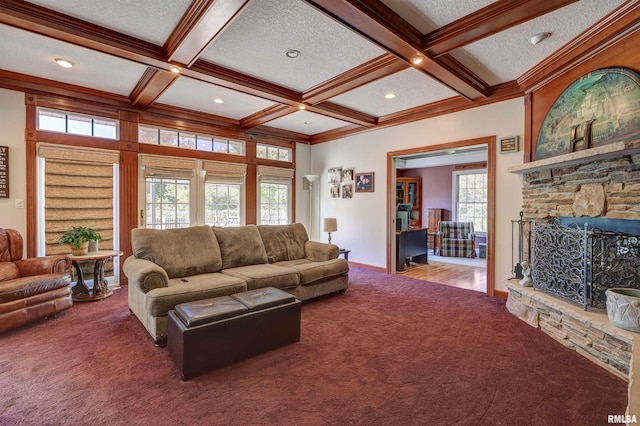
[
  {"x": 99, "y": 290},
  {"x": 411, "y": 243}
]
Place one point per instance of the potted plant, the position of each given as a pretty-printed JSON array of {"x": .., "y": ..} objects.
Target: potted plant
[{"x": 78, "y": 239}]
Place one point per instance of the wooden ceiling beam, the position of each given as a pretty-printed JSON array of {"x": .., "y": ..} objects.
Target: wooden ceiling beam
[
  {"x": 489, "y": 20},
  {"x": 501, "y": 92},
  {"x": 379, "y": 24},
  {"x": 150, "y": 86},
  {"x": 340, "y": 112},
  {"x": 201, "y": 24},
  {"x": 266, "y": 115},
  {"x": 39, "y": 20},
  {"x": 370, "y": 71}
]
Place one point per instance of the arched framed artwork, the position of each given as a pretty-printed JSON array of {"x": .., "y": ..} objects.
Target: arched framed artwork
[{"x": 600, "y": 107}]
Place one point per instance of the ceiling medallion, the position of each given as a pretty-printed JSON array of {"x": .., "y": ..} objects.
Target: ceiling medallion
[
  {"x": 292, "y": 53},
  {"x": 64, "y": 63}
]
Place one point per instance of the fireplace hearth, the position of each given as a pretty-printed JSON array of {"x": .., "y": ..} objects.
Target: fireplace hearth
[{"x": 578, "y": 259}]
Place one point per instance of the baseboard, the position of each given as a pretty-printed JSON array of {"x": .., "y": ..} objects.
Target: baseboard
[
  {"x": 501, "y": 294},
  {"x": 365, "y": 266}
]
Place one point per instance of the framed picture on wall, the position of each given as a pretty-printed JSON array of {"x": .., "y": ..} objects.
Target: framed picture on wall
[
  {"x": 509, "y": 145},
  {"x": 347, "y": 175},
  {"x": 364, "y": 182},
  {"x": 335, "y": 175}
]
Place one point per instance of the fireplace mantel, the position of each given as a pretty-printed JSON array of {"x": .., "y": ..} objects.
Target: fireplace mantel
[{"x": 612, "y": 150}]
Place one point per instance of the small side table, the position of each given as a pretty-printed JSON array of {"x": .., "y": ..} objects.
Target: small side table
[
  {"x": 100, "y": 290},
  {"x": 345, "y": 252},
  {"x": 433, "y": 236}
]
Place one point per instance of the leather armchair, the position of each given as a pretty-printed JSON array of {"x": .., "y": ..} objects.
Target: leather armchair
[{"x": 32, "y": 288}]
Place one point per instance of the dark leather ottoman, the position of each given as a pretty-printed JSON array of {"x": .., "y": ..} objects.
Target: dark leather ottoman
[{"x": 213, "y": 333}]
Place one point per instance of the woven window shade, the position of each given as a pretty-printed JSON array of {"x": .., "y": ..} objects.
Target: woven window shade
[
  {"x": 169, "y": 167},
  {"x": 221, "y": 172},
  {"x": 274, "y": 172},
  {"x": 78, "y": 191}
]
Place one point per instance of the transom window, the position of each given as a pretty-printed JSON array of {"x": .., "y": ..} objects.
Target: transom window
[
  {"x": 272, "y": 152},
  {"x": 77, "y": 124},
  {"x": 169, "y": 137},
  {"x": 471, "y": 198}
]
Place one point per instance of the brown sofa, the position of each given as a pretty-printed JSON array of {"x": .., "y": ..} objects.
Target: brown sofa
[
  {"x": 32, "y": 288},
  {"x": 174, "y": 266}
]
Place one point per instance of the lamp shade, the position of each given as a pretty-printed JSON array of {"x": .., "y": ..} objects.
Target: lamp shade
[
  {"x": 330, "y": 224},
  {"x": 311, "y": 178}
]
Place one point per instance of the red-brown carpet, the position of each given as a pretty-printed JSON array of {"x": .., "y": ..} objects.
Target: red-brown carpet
[{"x": 391, "y": 351}]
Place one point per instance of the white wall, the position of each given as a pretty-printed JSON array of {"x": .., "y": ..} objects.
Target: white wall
[
  {"x": 362, "y": 219},
  {"x": 13, "y": 124}
]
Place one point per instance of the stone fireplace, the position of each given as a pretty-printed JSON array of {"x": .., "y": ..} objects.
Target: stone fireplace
[{"x": 601, "y": 182}]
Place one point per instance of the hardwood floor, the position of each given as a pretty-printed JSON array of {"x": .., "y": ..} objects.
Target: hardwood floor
[{"x": 469, "y": 277}]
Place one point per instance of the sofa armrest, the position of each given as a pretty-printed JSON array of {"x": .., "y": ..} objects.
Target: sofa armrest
[
  {"x": 43, "y": 265},
  {"x": 320, "y": 252},
  {"x": 145, "y": 274}
]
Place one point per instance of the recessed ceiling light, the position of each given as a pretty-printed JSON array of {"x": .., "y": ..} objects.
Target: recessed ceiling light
[
  {"x": 451, "y": 151},
  {"x": 64, "y": 63},
  {"x": 302, "y": 106},
  {"x": 308, "y": 122},
  {"x": 539, "y": 37},
  {"x": 417, "y": 60},
  {"x": 292, "y": 53},
  {"x": 218, "y": 101},
  {"x": 174, "y": 69},
  {"x": 390, "y": 95}
]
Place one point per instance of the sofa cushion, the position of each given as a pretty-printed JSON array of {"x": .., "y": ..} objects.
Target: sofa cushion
[
  {"x": 160, "y": 301},
  {"x": 21, "y": 288},
  {"x": 265, "y": 275},
  {"x": 181, "y": 252},
  {"x": 312, "y": 272},
  {"x": 283, "y": 242},
  {"x": 240, "y": 246}
]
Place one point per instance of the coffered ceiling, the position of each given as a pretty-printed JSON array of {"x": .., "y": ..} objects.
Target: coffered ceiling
[{"x": 351, "y": 54}]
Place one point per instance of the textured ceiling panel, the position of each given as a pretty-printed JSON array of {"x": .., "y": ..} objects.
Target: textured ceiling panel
[
  {"x": 149, "y": 20},
  {"x": 256, "y": 40},
  {"x": 426, "y": 16},
  {"x": 32, "y": 54},
  {"x": 307, "y": 122},
  {"x": 411, "y": 87},
  {"x": 198, "y": 96},
  {"x": 508, "y": 55}
]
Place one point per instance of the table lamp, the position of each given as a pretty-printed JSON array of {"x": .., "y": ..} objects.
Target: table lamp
[{"x": 330, "y": 225}]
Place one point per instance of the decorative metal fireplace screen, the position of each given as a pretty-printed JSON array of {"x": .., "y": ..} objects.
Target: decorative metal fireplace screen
[{"x": 580, "y": 263}]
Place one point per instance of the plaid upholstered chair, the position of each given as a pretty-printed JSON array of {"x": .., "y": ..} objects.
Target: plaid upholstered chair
[{"x": 456, "y": 239}]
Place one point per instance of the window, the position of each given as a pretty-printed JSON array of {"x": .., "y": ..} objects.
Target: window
[
  {"x": 271, "y": 152},
  {"x": 470, "y": 192},
  {"x": 77, "y": 124},
  {"x": 182, "y": 192},
  {"x": 168, "y": 203},
  {"x": 274, "y": 203},
  {"x": 222, "y": 204},
  {"x": 77, "y": 187},
  {"x": 274, "y": 192},
  {"x": 169, "y": 137}
]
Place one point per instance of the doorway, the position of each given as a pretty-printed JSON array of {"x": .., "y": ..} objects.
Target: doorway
[{"x": 436, "y": 151}]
